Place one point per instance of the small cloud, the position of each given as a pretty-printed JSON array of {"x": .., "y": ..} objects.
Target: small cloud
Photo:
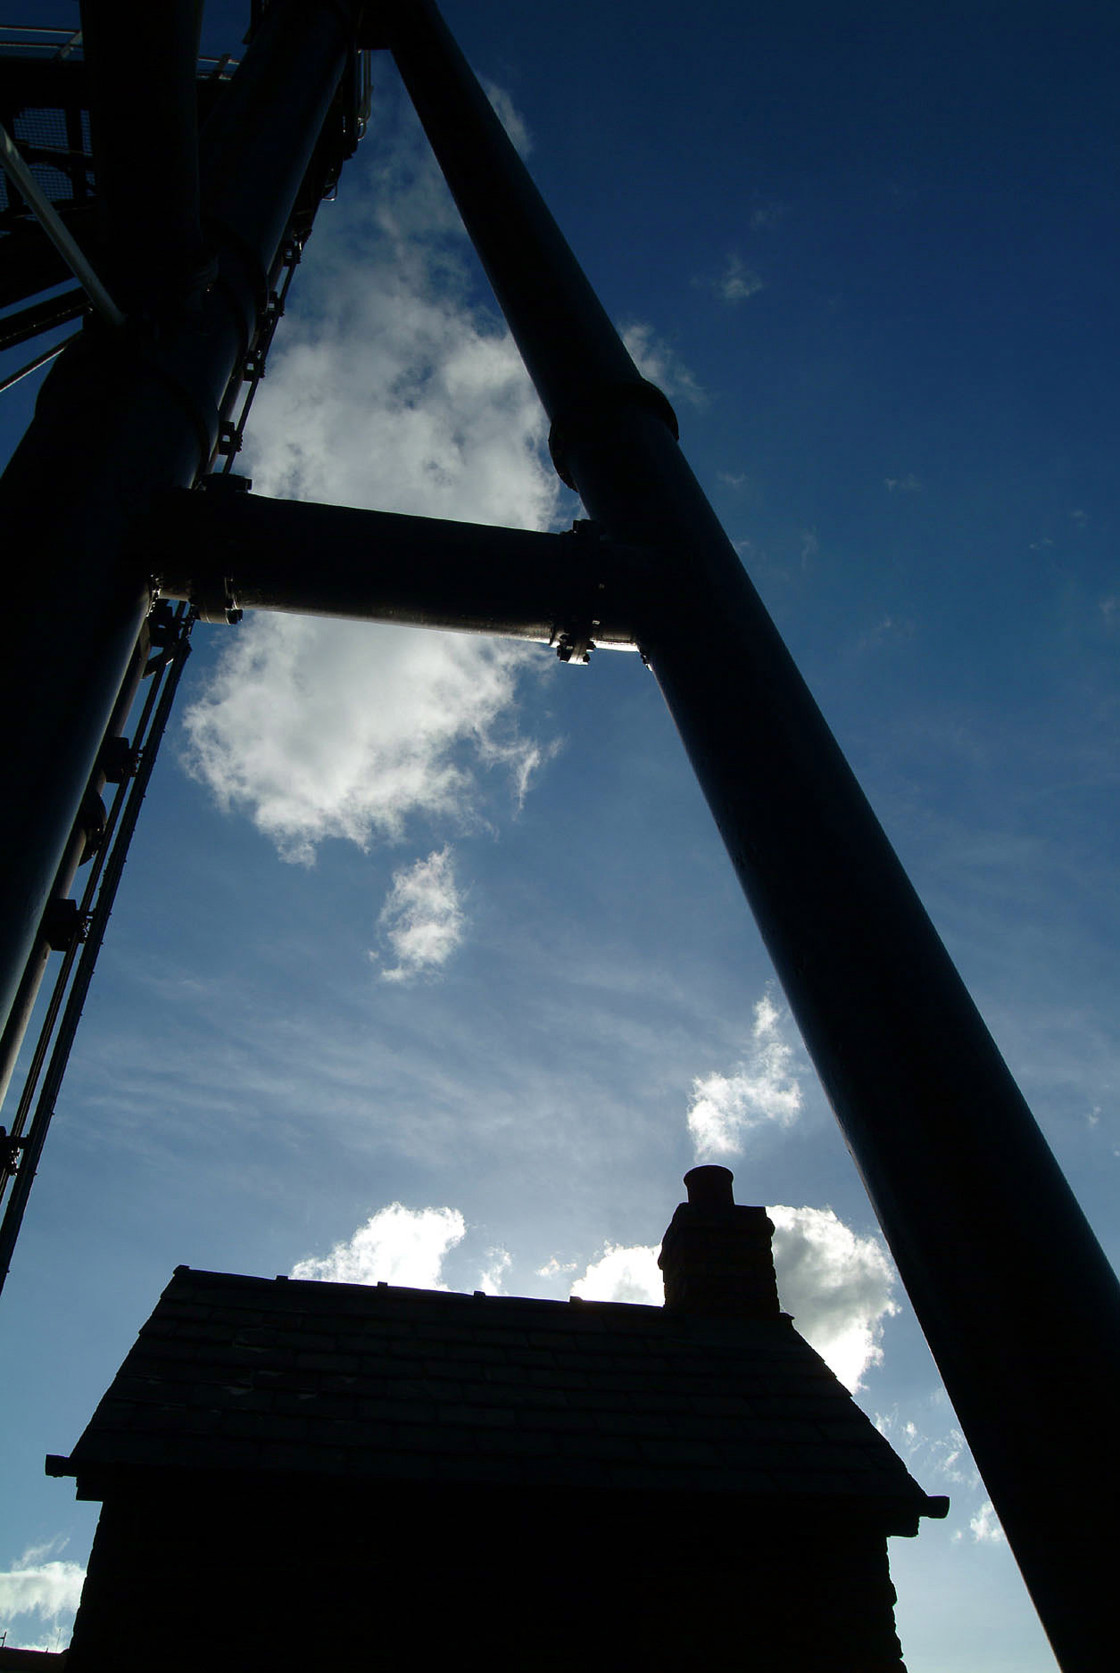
[
  {"x": 890, "y": 627},
  {"x": 1041, "y": 545},
  {"x": 498, "y": 1263},
  {"x": 907, "y": 484},
  {"x": 944, "y": 1456},
  {"x": 766, "y": 215},
  {"x": 661, "y": 364},
  {"x": 737, "y": 282},
  {"x": 1081, "y": 518},
  {"x": 810, "y": 545},
  {"x": 984, "y": 1526},
  {"x": 732, "y": 479},
  {"x": 623, "y": 1274},
  {"x": 553, "y": 1267},
  {"x": 397, "y": 1245},
  {"x": 761, "y": 1091},
  {"x": 509, "y": 116},
  {"x": 422, "y": 919}
]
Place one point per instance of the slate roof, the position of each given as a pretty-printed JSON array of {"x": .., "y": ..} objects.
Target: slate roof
[{"x": 390, "y": 1384}]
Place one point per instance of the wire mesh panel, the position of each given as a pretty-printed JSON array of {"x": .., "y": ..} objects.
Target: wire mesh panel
[{"x": 55, "y": 144}]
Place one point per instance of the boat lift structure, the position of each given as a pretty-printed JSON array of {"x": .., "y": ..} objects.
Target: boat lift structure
[{"x": 141, "y": 418}]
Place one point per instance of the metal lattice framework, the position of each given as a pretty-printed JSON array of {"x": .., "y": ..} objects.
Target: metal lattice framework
[{"x": 1015, "y": 1297}]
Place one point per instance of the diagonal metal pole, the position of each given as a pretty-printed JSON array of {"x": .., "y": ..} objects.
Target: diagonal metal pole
[
  {"x": 56, "y": 230},
  {"x": 1015, "y": 1297}
]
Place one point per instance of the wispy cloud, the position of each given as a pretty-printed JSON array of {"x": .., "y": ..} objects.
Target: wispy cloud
[
  {"x": 931, "y": 1451},
  {"x": 765, "y": 215},
  {"x": 761, "y": 1091},
  {"x": 939, "y": 1457},
  {"x": 509, "y": 116},
  {"x": 391, "y": 389},
  {"x": 888, "y": 629},
  {"x": 397, "y": 1245},
  {"x": 49, "y": 1591},
  {"x": 984, "y": 1526},
  {"x": 554, "y": 1266},
  {"x": 658, "y": 361},
  {"x": 422, "y": 918},
  {"x": 908, "y": 484},
  {"x": 738, "y": 282},
  {"x": 492, "y": 1276}
]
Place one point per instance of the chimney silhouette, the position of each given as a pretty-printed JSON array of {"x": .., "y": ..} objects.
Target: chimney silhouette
[{"x": 715, "y": 1256}]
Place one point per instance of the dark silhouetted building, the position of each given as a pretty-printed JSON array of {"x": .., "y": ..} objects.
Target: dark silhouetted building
[{"x": 313, "y": 1476}]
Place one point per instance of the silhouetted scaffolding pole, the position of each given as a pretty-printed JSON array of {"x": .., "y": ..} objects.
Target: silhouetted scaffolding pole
[
  {"x": 1016, "y": 1299},
  {"x": 145, "y": 403},
  {"x": 1014, "y": 1295}
]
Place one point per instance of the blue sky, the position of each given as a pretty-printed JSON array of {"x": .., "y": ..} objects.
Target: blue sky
[{"x": 442, "y": 924}]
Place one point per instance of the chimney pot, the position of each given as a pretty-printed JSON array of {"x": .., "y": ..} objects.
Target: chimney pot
[
  {"x": 710, "y": 1188},
  {"x": 716, "y": 1256}
]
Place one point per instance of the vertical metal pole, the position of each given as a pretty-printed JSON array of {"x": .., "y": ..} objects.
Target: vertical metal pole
[
  {"x": 144, "y": 128},
  {"x": 123, "y": 413},
  {"x": 1018, "y": 1304}
]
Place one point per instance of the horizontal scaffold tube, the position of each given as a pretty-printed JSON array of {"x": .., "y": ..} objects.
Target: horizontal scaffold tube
[{"x": 226, "y": 550}]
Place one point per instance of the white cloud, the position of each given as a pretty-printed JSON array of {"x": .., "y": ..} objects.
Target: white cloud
[
  {"x": 422, "y": 917},
  {"x": 907, "y": 484},
  {"x": 943, "y": 1453},
  {"x": 390, "y": 385},
  {"x": 342, "y": 729},
  {"x": 838, "y": 1286},
  {"x": 984, "y": 1526},
  {"x": 762, "y": 1090},
  {"x": 660, "y": 363},
  {"x": 766, "y": 215},
  {"x": 397, "y": 1245},
  {"x": 498, "y": 1263},
  {"x": 888, "y": 630},
  {"x": 509, "y": 116},
  {"x": 936, "y": 1454},
  {"x": 49, "y": 1591},
  {"x": 622, "y": 1274},
  {"x": 389, "y": 388},
  {"x": 738, "y": 282}
]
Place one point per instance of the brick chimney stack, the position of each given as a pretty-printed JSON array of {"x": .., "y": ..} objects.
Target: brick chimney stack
[{"x": 716, "y": 1256}]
